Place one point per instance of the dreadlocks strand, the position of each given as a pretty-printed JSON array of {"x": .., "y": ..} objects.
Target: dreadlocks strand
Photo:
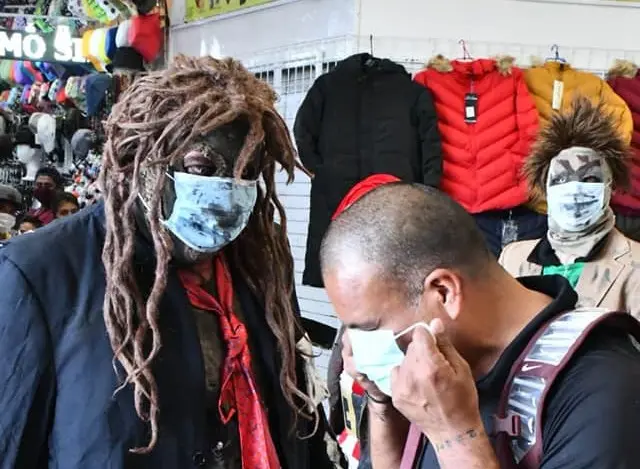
[{"x": 157, "y": 118}]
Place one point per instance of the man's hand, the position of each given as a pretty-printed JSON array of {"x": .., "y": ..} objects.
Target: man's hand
[
  {"x": 435, "y": 390},
  {"x": 362, "y": 379}
]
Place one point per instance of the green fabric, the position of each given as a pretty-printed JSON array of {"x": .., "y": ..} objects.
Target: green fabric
[{"x": 571, "y": 272}]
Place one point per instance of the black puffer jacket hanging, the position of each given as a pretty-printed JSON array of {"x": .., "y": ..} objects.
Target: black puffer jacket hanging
[{"x": 364, "y": 117}]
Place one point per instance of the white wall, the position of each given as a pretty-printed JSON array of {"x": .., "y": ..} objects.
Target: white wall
[
  {"x": 274, "y": 26},
  {"x": 512, "y": 21}
]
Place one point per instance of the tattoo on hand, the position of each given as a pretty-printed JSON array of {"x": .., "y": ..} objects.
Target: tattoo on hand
[{"x": 459, "y": 439}]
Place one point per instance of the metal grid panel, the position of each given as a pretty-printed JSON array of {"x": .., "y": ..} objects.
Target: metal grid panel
[{"x": 292, "y": 70}]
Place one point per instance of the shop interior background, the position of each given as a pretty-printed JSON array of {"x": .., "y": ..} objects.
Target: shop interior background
[{"x": 289, "y": 43}]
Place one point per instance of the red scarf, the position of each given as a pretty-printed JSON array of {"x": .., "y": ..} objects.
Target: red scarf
[{"x": 238, "y": 393}]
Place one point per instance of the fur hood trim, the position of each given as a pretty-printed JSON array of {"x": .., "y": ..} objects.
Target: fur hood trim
[
  {"x": 440, "y": 64},
  {"x": 587, "y": 125},
  {"x": 623, "y": 68},
  {"x": 504, "y": 64}
]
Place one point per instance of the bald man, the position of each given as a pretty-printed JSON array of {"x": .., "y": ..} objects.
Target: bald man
[{"x": 435, "y": 322}]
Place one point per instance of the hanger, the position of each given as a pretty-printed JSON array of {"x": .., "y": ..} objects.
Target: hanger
[
  {"x": 555, "y": 50},
  {"x": 465, "y": 52},
  {"x": 371, "y": 61}
]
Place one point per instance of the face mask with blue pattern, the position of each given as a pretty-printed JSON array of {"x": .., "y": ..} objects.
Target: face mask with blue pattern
[{"x": 210, "y": 212}]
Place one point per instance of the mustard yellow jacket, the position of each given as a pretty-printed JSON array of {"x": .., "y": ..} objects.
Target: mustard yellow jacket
[{"x": 540, "y": 81}]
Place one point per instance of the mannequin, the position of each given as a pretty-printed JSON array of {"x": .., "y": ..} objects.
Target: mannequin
[
  {"x": 579, "y": 159},
  {"x": 32, "y": 158}
]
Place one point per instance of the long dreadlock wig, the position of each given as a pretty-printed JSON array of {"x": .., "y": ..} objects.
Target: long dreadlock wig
[{"x": 156, "y": 120}]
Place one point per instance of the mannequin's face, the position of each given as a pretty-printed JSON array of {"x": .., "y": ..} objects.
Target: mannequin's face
[
  {"x": 214, "y": 155},
  {"x": 576, "y": 168}
]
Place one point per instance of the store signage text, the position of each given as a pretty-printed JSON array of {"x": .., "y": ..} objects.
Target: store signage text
[{"x": 22, "y": 45}]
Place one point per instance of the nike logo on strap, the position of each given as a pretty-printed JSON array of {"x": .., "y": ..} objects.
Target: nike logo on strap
[{"x": 528, "y": 367}]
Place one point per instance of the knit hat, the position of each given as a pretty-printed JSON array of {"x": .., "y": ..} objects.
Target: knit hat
[
  {"x": 587, "y": 125},
  {"x": 361, "y": 189},
  {"x": 82, "y": 142},
  {"x": 145, "y": 35}
]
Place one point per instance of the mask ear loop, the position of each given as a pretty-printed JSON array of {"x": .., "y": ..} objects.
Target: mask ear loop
[{"x": 424, "y": 325}]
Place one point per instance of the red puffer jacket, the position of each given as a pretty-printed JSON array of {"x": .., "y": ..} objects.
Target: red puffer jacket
[
  {"x": 625, "y": 81},
  {"x": 482, "y": 161}
]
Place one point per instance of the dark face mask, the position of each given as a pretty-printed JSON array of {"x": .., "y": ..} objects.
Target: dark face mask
[{"x": 44, "y": 195}]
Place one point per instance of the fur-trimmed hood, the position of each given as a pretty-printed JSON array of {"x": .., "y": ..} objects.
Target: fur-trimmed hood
[
  {"x": 503, "y": 63},
  {"x": 586, "y": 124},
  {"x": 623, "y": 69}
]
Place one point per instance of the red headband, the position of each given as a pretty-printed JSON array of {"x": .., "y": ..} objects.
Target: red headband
[{"x": 361, "y": 189}]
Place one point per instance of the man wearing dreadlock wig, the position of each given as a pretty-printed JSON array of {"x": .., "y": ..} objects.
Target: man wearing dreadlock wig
[
  {"x": 167, "y": 335},
  {"x": 576, "y": 163}
]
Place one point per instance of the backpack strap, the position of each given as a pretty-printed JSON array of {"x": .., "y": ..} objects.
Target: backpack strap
[
  {"x": 518, "y": 423},
  {"x": 412, "y": 448}
]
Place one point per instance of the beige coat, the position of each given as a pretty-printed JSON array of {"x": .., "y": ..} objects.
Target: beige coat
[{"x": 611, "y": 281}]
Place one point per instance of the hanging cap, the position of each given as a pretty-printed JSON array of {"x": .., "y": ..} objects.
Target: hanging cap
[
  {"x": 122, "y": 36},
  {"x": 110, "y": 43},
  {"x": 82, "y": 141},
  {"x": 96, "y": 87},
  {"x": 127, "y": 59},
  {"x": 47, "y": 132},
  {"x": 145, "y": 35},
  {"x": 363, "y": 188},
  {"x": 33, "y": 121}
]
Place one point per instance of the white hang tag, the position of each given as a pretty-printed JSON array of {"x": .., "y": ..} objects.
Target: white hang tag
[
  {"x": 509, "y": 232},
  {"x": 558, "y": 92}
]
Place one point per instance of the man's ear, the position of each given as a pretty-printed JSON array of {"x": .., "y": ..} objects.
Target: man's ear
[{"x": 444, "y": 286}]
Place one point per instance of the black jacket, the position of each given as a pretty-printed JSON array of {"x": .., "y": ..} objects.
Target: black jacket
[
  {"x": 365, "y": 117},
  {"x": 56, "y": 375}
]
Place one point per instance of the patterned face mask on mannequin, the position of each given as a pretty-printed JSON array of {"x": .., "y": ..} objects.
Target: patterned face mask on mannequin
[
  {"x": 578, "y": 189},
  {"x": 209, "y": 211},
  {"x": 575, "y": 206}
]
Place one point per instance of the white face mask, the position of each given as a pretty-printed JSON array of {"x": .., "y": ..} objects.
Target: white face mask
[
  {"x": 7, "y": 222},
  {"x": 376, "y": 353},
  {"x": 574, "y": 205}
]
